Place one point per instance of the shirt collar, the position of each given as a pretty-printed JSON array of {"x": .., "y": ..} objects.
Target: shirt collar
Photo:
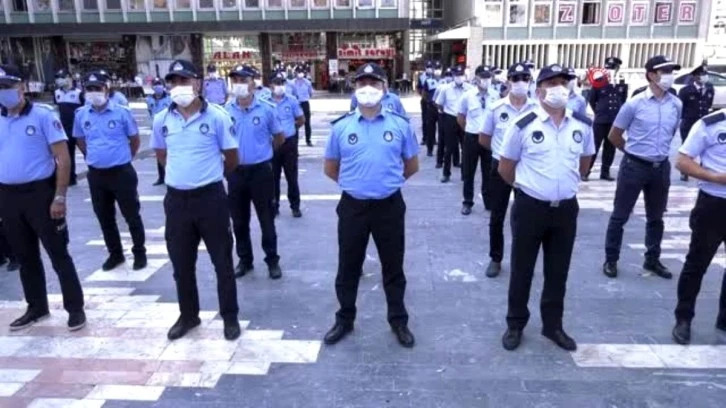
[
  {"x": 381, "y": 114},
  {"x": 543, "y": 116},
  {"x": 110, "y": 106},
  {"x": 649, "y": 94},
  {"x": 255, "y": 102},
  {"x": 23, "y": 112},
  {"x": 173, "y": 106}
]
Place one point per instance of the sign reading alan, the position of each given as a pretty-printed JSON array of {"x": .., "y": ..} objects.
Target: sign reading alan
[
  {"x": 232, "y": 55},
  {"x": 373, "y": 53}
]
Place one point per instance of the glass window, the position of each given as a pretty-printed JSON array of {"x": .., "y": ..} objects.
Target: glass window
[
  {"x": 20, "y": 5},
  {"x": 41, "y": 5},
  {"x": 615, "y": 13},
  {"x": 639, "y": 12},
  {"x": 542, "y": 12},
  {"x": 229, "y": 4},
  {"x": 206, "y": 4},
  {"x": 492, "y": 15},
  {"x": 591, "y": 12},
  {"x": 321, "y": 4},
  {"x": 716, "y": 80},
  {"x": 566, "y": 12},
  {"x": 365, "y": 3},
  {"x": 297, "y": 4},
  {"x": 160, "y": 4},
  {"x": 113, "y": 4},
  {"x": 274, "y": 4},
  {"x": 66, "y": 5},
  {"x": 387, "y": 3},
  {"x": 90, "y": 4},
  {"x": 251, "y": 4},
  {"x": 663, "y": 12},
  {"x": 517, "y": 12},
  {"x": 183, "y": 4},
  {"x": 342, "y": 3}
]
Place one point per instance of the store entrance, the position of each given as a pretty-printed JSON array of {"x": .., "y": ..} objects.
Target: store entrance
[{"x": 347, "y": 68}]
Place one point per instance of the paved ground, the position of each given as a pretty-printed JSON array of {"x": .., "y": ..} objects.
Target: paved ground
[{"x": 122, "y": 359}]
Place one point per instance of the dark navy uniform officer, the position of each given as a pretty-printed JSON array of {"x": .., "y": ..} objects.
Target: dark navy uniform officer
[
  {"x": 34, "y": 172},
  {"x": 285, "y": 159},
  {"x": 431, "y": 118},
  {"x": 155, "y": 103},
  {"x": 651, "y": 120},
  {"x": 422, "y": 78},
  {"x": 108, "y": 136},
  {"x": 697, "y": 98},
  {"x": 707, "y": 143},
  {"x": 68, "y": 98},
  {"x": 370, "y": 154},
  {"x": 191, "y": 138},
  {"x": 252, "y": 183},
  {"x": 544, "y": 156}
]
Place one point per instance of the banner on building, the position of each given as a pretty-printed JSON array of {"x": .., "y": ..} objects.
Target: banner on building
[
  {"x": 366, "y": 53},
  {"x": 687, "y": 12},
  {"x": 566, "y": 13},
  {"x": 639, "y": 13},
  {"x": 663, "y": 13},
  {"x": 616, "y": 13}
]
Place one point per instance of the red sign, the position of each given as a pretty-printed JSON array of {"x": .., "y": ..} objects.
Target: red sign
[
  {"x": 301, "y": 55},
  {"x": 371, "y": 53},
  {"x": 616, "y": 13},
  {"x": 639, "y": 13},
  {"x": 566, "y": 14},
  {"x": 663, "y": 12},
  {"x": 687, "y": 12},
  {"x": 231, "y": 55}
]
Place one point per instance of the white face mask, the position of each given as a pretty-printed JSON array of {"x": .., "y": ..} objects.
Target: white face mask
[
  {"x": 666, "y": 80},
  {"x": 556, "y": 97},
  {"x": 368, "y": 96},
  {"x": 704, "y": 79},
  {"x": 240, "y": 90},
  {"x": 96, "y": 98},
  {"x": 60, "y": 82},
  {"x": 459, "y": 79},
  {"x": 213, "y": 75},
  {"x": 278, "y": 90},
  {"x": 571, "y": 85},
  {"x": 258, "y": 83},
  {"x": 484, "y": 83},
  {"x": 300, "y": 75},
  {"x": 182, "y": 95},
  {"x": 437, "y": 72},
  {"x": 519, "y": 88},
  {"x": 429, "y": 70}
]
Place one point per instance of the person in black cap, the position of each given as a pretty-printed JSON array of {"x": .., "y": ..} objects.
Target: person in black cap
[
  {"x": 33, "y": 182},
  {"x": 544, "y": 155},
  {"x": 651, "y": 120},
  {"x": 697, "y": 98},
  {"x": 68, "y": 98},
  {"x": 606, "y": 103},
  {"x": 215, "y": 88},
  {"x": 303, "y": 90},
  {"x": 370, "y": 154},
  {"x": 155, "y": 103},
  {"x": 189, "y": 138}
]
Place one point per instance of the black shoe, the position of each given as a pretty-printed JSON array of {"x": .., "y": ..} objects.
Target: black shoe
[
  {"x": 585, "y": 178},
  {"x": 658, "y": 268},
  {"x": 684, "y": 177},
  {"x": 232, "y": 331},
  {"x": 13, "y": 266},
  {"x": 296, "y": 213},
  {"x": 113, "y": 261},
  {"x": 682, "y": 332},
  {"x": 76, "y": 320},
  {"x": 430, "y": 154},
  {"x": 276, "y": 213},
  {"x": 182, "y": 327},
  {"x": 445, "y": 179},
  {"x": 337, "y": 333},
  {"x": 559, "y": 337},
  {"x": 275, "y": 271},
  {"x": 721, "y": 322},
  {"x": 493, "y": 269},
  {"x": 404, "y": 335},
  {"x": 140, "y": 262},
  {"x": 512, "y": 339},
  {"x": 466, "y": 210},
  {"x": 606, "y": 177},
  {"x": 439, "y": 165},
  {"x": 309, "y": 143},
  {"x": 610, "y": 269},
  {"x": 72, "y": 182},
  {"x": 242, "y": 269},
  {"x": 28, "y": 319},
  {"x": 457, "y": 165},
  {"x": 158, "y": 182}
]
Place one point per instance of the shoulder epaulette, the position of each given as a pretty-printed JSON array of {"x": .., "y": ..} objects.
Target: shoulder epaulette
[
  {"x": 499, "y": 102},
  {"x": 673, "y": 91},
  {"x": 714, "y": 118},
  {"x": 340, "y": 118},
  {"x": 44, "y": 106},
  {"x": 267, "y": 102},
  {"x": 526, "y": 120},
  {"x": 582, "y": 118},
  {"x": 639, "y": 90},
  {"x": 394, "y": 113}
]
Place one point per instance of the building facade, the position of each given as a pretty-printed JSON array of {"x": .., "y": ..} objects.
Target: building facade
[
  {"x": 575, "y": 33},
  {"x": 142, "y": 37}
]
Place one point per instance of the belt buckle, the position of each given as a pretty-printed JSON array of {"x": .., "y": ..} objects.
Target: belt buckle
[{"x": 555, "y": 204}]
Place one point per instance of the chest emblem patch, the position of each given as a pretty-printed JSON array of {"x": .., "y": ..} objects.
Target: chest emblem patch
[
  {"x": 256, "y": 120},
  {"x": 388, "y": 136},
  {"x": 537, "y": 137},
  {"x": 204, "y": 128},
  {"x": 164, "y": 130},
  {"x": 57, "y": 125},
  {"x": 87, "y": 124},
  {"x": 504, "y": 117},
  {"x": 721, "y": 138},
  {"x": 577, "y": 136},
  {"x": 30, "y": 130},
  {"x": 352, "y": 139},
  {"x": 231, "y": 130},
  {"x": 287, "y": 109},
  {"x": 112, "y": 124}
]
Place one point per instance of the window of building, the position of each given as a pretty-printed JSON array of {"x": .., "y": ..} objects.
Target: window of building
[
  {"x": 160, "y": 4},
  {"x": 298, "y": 4},
  {"x": 387, "y": 3},
  {"x": 274, "y": 4},
  {"x": 228, "y": 4},
  {"x": 251, "y": 4},
  {"x": 542, "y": 12},
  {"x": 639, "y": 12},
  {"x": 342, "y": 3},
  {"x": 183, "y": 4},
  {"x": 20, "y": 5},
  {"x": 365, "y": 3},
  {"x": 90, "y": 4},
  {"x": 113, "y": 4},
  {"x": 517, "y": 12},
  {"x": 321, "y": 4},
  {"x": 663, "y": 12},
  {"x": 492, "y": 13},
  {"x": 591, "y": 10},
  {"x": 205, "y": 4},
  {"x": 566, "y": 12},
  {"x": 615, "y": 14},
  {"x": 41, "y": 5}
]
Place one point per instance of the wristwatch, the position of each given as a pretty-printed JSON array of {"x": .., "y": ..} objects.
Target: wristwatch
[{"x": 59, "y": 199}]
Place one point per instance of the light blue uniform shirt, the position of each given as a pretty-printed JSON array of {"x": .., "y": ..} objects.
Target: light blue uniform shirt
[
  {"x": 500, "y": 117},
  {"x": 156, "y": 105},
  {"x": 474, "y": 105},
  {"x": 303, "y": 89},
  {"x": 25, "y": 142},
  {"x": 577, "y": 103},
  {"x": 106, "y": 133},
  {"x": 371, "y": 153},
  {"x": 707, "y": 141},
  {"x": 450, "y": 96},
  {"x": 215, "y": 90},
  {"x": 116, "y": 97},
  {"x": 254, "y": 128},
  {"x": 548, "y": 158},
  {"x": 389, "y": 101},
  {"x": 194, "y": 146},
  {"x": 287, "y": 110},
  {"x": 650, "y": 123}
]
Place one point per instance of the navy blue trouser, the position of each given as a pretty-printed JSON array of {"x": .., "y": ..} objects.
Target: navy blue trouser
[{"x": 654, "y": 180}]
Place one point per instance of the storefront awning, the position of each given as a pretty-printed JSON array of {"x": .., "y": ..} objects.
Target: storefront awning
[{"x": 460, "y": 33}]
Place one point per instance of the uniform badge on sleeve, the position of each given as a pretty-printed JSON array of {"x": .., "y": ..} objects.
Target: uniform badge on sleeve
[
  {"x": 87, "y": 124},
  {"x": 204, "y": 128},
  {"x": 721, "y": 138},
  {"x": 164, "y": 130},
  {"x": 537, "y": 136},
  {"x": 112, "y": 124},
  {"x": 256, "y": 120},
  {"x": 30, "y": 130},
  {"x": 352, "y": 138},
  {"x": 390, "y": 106},
  {"x": 287, "y": 109},
  {"x": 231, "y": 130},
  {"x": 388, "y": 136},
  {"x": 57, "y": 125},
  {"x": 504, "y": 117},
  {"x": 577, "y": 136}
]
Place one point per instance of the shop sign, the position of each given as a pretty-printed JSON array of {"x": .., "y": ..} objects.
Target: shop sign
[
  {"x": 616, "y": 13},
  {"x": 372, "y": 53},
  {"x": 300, "y": 55},
  {"x": 639, "y": 12},
  {"x": 687, "y": 12},
  {"x": 663, "y": 12},
  {"x": 566, "y": 13},
  {"x": 232, "y": 55}
]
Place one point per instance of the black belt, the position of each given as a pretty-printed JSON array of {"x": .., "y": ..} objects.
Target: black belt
[
  {"x": 645, "y": 162},
  {"x": 552, "y": 204},
  {"x": 194, "y": 192},
  {"x": 372, "y": 200},
  {"x": 110, "y": 169},
  {"x": 252, "y": 166},
  {"x": 29, "y": 185}
]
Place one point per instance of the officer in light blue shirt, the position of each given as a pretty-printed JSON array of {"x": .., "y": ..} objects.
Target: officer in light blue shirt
[
  {"x": 34, "y": 173},
  {"x": 651, "y": 119},
  {"x": 285, "y": 158},
  {"x": 193, "y": 140},
  {"x": 113, "y": 96},
  {"x": 706, "y": 142},
  {"x": 576, "y": 102},
  {"x": 390, "y": 101},
  {"x": 68, "y": 98},
  {"x": 155, "y": 103},
  {"x": 304, "y": 92},
  {"x": 108, "y": 136},
  {"x": 370, "y": 154},
  {"x": 215, "y": 88},
  {"x": 257, "y": 129}
]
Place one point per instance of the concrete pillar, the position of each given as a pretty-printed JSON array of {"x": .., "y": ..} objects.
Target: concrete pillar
[
  {"x": 196, "y": 48},
  {"x": 552, "y": 56},
  {"x": 475, "y": 48},
  {"x": 625, "y": 56},
  {"x": 266, "y": 56},
  {"x": 406, "y": 52}
]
